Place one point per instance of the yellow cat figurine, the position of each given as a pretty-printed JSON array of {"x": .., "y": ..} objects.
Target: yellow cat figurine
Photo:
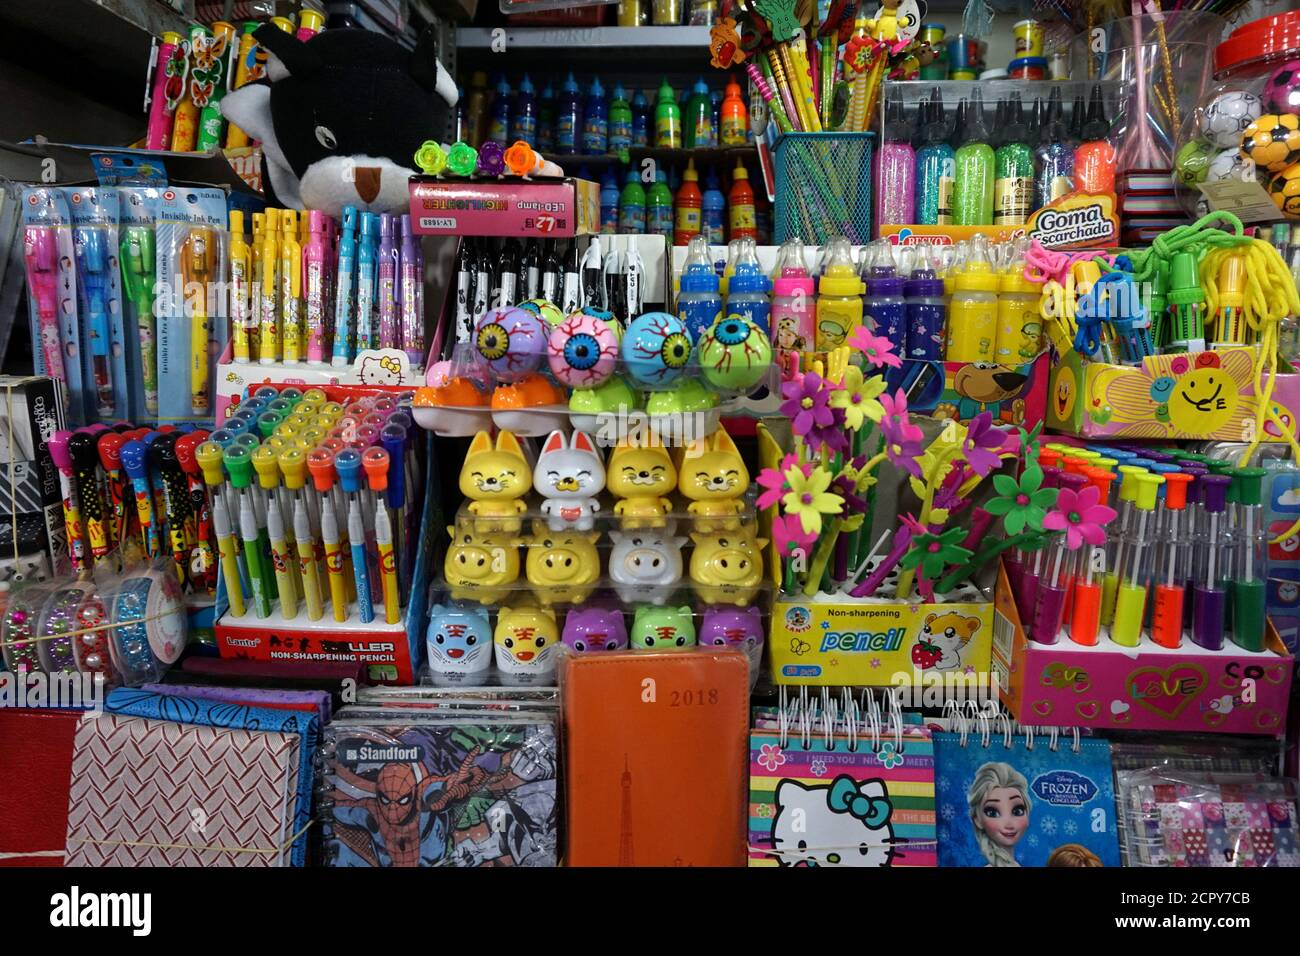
[
  {"x": 495, "y": 479},
  {"x": 711, "y": 473},
  {"x": 641, "y": 477}
]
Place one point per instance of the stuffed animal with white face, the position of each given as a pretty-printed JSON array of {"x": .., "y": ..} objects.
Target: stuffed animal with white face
[
  {"x": 341, "y": 116},
  {"x": 568, "y": 476}
]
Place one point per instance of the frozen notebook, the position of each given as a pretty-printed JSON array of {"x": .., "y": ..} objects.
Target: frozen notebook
[
  {"x": 831, "y": 795},
  {"x": 411, "y": 790},
  {"x": 1189, "y": 818},
  {"x": 1015, "y": 800}
]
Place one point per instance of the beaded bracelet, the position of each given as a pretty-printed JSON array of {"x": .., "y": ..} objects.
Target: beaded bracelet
[
  {"x": 58, "y": 648},
  {"x": 94, "y": 649},
  {"x": 19, "y": 627}
]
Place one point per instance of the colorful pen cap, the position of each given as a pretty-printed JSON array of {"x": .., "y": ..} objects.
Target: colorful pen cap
[
  {"x": 1249, "y": 485},
  {"x": 247, "y": 440},
  {"x": 347, "y": 465},
  {"x": 1176, "y": 486},
  {"x": 239, "y": 466},
  {"x": 267, "y": 467},
  {"x": 1214, "y": 492},
  {"x": 320, "y": 464},
  {"x": 293, "y": 465},
  {"x": 376, "y": 462},
  {"x": 209, "y": 455}
]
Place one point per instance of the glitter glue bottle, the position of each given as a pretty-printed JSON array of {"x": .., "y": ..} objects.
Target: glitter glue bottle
[
  {"x": 794, "y": 310},
  {"x": 1094, "y": 160},
  {"x": 839, "y": 297},
  {"x": 1054, "y": 156},
  {"x": 699, "y": 302},
  {"x": 935, "y": 165},
  {"x": 973, "y": 314},
  {"x": 927, "y": 311},
  {"x": 1013, "y": 182},
  {"x": 896, "y": 180},
  {"x": 973, "y": 196},
  {"x": 883, "y": 306}
]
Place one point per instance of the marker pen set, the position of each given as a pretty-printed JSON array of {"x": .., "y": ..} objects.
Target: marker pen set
[
  {"x": 309, "y": 290},
  {"x": 1183, "y": 560},
  {"x": 310, "y": 506}
]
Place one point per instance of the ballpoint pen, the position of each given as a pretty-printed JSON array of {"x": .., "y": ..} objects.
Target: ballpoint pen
[
  {"x": 1230, "y": 317},
  {"x": 290, "y": 287},
  {"x": 551, "y": 273},
  {"x": 571, "y": 291},
  {"x": 254, "y": 317},
  {"x": 321, "y": 465},
  {"x": 85, "y": 459},
  {"x": 93, "y": 260},
  {"x": 1209, "y": 595},
  {"x": 1173, "y": 562},
  {"x": 593, "y": 276},
  {"x": 198, "y": 260},
  {"x": 376, "y": 463},
  {"x": 41, "y": 257},
  {"x": 133, "y": 460},
  {"x": 314, "y": 256},
  {"x": 367, "y": 252},
  {"x": 412, "y": 282},
  {"x": 227, "y": 545},
  {"x": 1131, "y": 594},
  {"x": 1187, "y": 301},
  {"x": 465, "y": 270},
  {"x": 386, "y": 267},
  {"x": 59, "y": 453},
  {"x": 347, "y": 464},
  {"x": 270, "y": 284},
  {"x": 241, "y": 273},
  {"x": 281, "y": 560}
]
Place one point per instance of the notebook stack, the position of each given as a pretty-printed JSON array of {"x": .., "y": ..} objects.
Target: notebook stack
[{"x": 1148, "y": 205}]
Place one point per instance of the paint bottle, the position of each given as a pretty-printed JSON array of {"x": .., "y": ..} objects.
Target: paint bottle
[
  {"x": 523, "y": 118},
  {"x": 595, "y": 136},
  {"x": 659, "y": 208},
  {"x": 631, "y": 205},
  {"x": 714, "y": 212},
  {"x": 640, "y": 120},
  {"x": 740, "y": 203},
  {"x": 687, "y": 207},
  {"x": 883, "y": 306},
  {"x": 698, "y": 303},
  {"x": 568, "y": 118},
  {"x": 973, "y": 314},
  {"x": 794, "y": 308},
  {"x": 1013, "y": 184},
  {"x": 609, "y": 196},
  {"x": 734, "y": 117},
  {"x": 748, "y": 288},
  {"x": 546, "y": 120},
  {"x": 1094, "y": 160},
  {"x": 839, "y": 297},
  {"x": 973, "y": 191},
  {"x": 896, "y": 176},
  {"x": 620, "y": 123},
  {"x": 927, "y": 309},
  {"x": 935, "y": 167},
  {"x": 697, "y": 127},
  {"x": 1054, "y": 156},
  {"x": 668, "y": 119},
  {"x": 499, "y": 126}
]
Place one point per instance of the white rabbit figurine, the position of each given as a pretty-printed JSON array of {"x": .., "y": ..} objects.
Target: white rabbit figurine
[{"x": 569, "y": 475}]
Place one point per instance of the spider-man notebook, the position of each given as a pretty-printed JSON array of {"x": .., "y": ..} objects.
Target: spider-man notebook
[{"x": 411, "y": 790}]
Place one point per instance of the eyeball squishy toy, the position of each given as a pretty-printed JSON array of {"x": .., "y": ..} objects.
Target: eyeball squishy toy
[
  {"x": 547, "y": 310},
  {"x": 655, "y": 349},
  {"x": 734, "y": 353},
  {"x": 583, "y": 349},
  {"x": 511, "y": 341}
]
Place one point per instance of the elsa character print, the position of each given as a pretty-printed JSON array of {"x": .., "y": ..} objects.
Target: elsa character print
[{"x": 999, "y": 811}]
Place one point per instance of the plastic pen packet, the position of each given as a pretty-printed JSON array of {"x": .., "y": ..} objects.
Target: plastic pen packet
[
  {"x": 49, "y": 258},
  {"x": 104, "y": 357}
]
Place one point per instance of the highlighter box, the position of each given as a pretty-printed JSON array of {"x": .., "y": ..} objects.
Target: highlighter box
[
  {"x": 1148, "y": 687},
  {"x": 1205, "y": 395},
  {"x": 547, "y": 207}
]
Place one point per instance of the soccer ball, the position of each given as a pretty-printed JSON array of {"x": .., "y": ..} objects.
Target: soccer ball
[
  {"x": 1191, "y": 162},
  {"x": 1226, "y": 117},
  {"x": 1273, "y": 141},
  {"x": 1285, "y": 190},
  {"x": 1230, "y": 164},
  {"x": 1281, "y": 93}
]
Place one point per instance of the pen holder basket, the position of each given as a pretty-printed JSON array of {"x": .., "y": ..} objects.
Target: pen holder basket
[{"x": 823, "y": 187}]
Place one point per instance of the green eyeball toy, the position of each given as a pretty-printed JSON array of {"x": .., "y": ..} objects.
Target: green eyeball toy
[{"x": 734, "y": 353}]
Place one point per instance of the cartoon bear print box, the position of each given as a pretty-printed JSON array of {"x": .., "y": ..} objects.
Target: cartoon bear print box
[{"x": 341, "y": 116}]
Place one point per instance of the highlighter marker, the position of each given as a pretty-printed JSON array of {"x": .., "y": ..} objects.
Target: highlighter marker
[
  {"x": 241, "y": 272},
  {"x": 1131, "y": 594},
  {"x": 270, "y": 318},
  {"x": 313, "y": 271}
]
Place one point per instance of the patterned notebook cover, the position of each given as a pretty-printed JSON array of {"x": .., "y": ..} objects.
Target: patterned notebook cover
[
  {"x": 1012, "y": 805},
  {"x": 1208, "y": 820},
  {"x": 408, "y": 791},
  {"x": 833, "y": 806}
]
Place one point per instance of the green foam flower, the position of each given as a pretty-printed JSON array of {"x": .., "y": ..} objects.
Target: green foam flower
[{"x": 1022, "y": 502}]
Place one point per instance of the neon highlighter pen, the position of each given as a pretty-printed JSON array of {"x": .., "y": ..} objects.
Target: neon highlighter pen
[
  {"x": 366, "y": 265},
  {"x": 1054, "y": 581},
  {"x": 270, "y": 321},
  {"x": 343, "y": 297},
  {"x": 411, "y": 280},
  {"x": 376, "y": 462},
  {"x": 321, "y": 465},
  {"x": 41, "y": 256},
  {"x": 1085, "y": 607},
  {"x": 241, "y": 272},
  {"x": 1173, "y": 560},
  {"x": 197, "y": 261},
  {"x": 1131, "y": 594},
  {"x": 290, "y": 287},
  {"x": 1248, "y": 583},
  {"x": 347, "y": 463},
  {"x": 386, "y": 268},
  {"x": 92, "y": 260},
  {"x": 313, "y": 281}
]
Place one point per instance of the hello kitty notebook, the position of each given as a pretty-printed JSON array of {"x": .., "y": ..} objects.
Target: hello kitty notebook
[{"x": 842, "y": 802}]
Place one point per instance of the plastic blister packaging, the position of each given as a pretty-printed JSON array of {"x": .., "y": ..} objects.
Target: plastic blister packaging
[
  {"x": 50, "y": 260},
  {"x": 95, "y": 215}
]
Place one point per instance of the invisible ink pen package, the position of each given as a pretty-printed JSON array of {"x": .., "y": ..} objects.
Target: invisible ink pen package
[
  {"x": 96, "y": 212},
  {"x": 137, "y": 208},
  {"x": 192, "y": 305},
  {"x": 50, "y": 260}
]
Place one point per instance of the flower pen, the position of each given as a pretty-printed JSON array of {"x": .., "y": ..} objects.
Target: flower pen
[{"x": 1056, "y": 563}]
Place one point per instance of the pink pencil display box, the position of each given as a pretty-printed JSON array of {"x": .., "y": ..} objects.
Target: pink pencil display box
[
  {"x": 1148, "y": 687},
  {"x": 557, "y": 208}
]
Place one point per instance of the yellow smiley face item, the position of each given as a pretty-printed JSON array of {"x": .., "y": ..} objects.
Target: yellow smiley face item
[{"x": 1203, "y": 401}]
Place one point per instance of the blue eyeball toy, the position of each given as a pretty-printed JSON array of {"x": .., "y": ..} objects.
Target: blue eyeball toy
[
  {"x": 656, "y": 349},
  {"x": 583, "y": 349},
  {"x": 512, "y": 342}
]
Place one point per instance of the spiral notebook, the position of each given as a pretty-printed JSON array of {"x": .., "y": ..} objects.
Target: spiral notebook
[
  {"x": 830, "y": 795},
  {"x": 1011, "y": 800}
]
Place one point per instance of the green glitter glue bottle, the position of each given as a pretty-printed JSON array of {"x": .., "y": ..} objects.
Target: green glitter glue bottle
[
  {"x": 1013, "y": 183},
  {"x": 973, "y": 190}
]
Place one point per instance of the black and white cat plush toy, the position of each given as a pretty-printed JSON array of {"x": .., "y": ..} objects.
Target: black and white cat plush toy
[{"x": 341, "y": 116}]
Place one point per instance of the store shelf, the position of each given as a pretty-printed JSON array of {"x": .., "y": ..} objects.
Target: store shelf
[
  {"x": 663, "y": 155},
  {"x": 659, "y": 39}
]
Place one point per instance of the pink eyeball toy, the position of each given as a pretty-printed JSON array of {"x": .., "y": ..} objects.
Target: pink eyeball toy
[
  {"x": 512, "y": 341},
  {"x": 583, "y": 349}
]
